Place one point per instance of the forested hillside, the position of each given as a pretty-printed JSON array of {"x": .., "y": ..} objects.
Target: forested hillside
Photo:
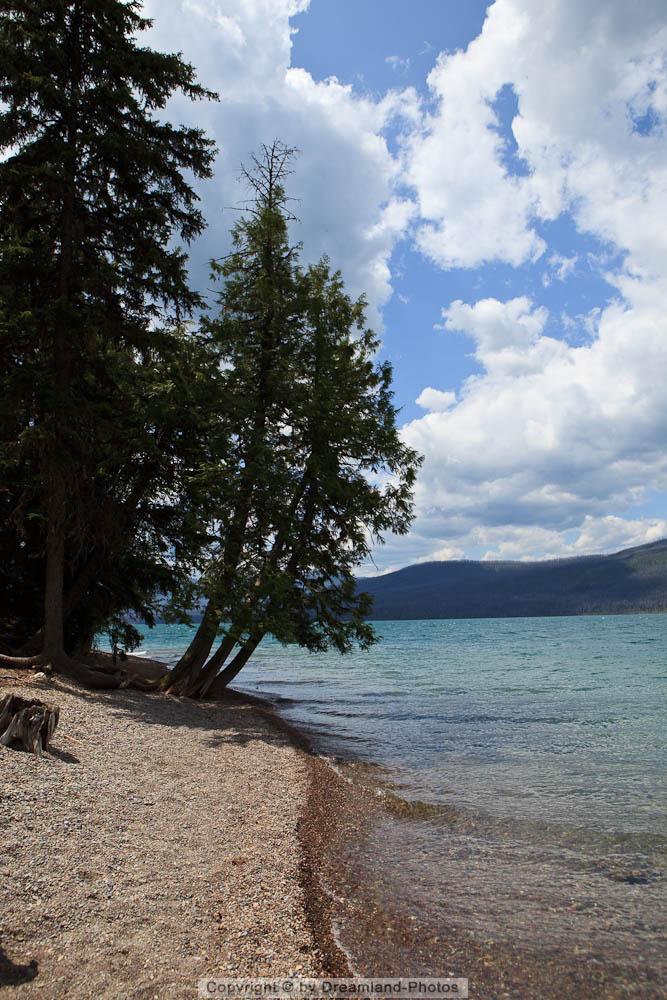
[{"x": 632, "y": 580}]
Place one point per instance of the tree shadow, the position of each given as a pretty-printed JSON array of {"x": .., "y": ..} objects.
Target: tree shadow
[
  {"x": 12, "y": 974},
  {"x": 238, "y": 739},
  {"x": 231, "y": 719},
  {"x": 63, "y": 755},
  {"x": 234, "y": 718}
]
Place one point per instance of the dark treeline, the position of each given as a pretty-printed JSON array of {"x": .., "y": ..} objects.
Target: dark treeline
[
  {"x": 631, "y": 580},
  {"x": 243, "y": 457}
]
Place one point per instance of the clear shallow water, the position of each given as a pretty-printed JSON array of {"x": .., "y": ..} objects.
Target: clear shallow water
[{"x": 541, "y": 742}]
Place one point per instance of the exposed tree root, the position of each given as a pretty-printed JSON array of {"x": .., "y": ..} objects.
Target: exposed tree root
[
  {"x": 22, "y": 662},
  {"x": 110, "y": 677},
  {"x": 100, "y": 676},
  {"x": 106, "y": 677},
  {"x": 90, "y": 677}
]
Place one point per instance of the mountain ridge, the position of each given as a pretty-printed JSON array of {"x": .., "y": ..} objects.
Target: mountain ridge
[{"x": 623, "y": 582}]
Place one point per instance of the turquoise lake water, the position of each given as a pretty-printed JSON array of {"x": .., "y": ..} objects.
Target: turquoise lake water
[{"x": 543, "y": 739}]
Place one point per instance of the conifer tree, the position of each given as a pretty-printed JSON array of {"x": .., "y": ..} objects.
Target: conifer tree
[
  {"x": 93, "y": 194},
  {"x": 331, "y": 475},
  {"x": 256, "y": 334}
]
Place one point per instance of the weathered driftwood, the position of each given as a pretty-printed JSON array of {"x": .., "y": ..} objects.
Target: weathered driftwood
[{"x": 27, "y": 721}]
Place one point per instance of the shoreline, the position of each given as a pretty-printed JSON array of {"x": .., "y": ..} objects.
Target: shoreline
[{"x": 379, "y": 933}]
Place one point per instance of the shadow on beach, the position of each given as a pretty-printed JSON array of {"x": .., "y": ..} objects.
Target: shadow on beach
[
  {"x": 13, "y": 974},
  {"x": 236, "y": 718}
]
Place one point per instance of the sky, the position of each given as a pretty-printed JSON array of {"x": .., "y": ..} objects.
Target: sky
[{"x": 494, "y": 178}]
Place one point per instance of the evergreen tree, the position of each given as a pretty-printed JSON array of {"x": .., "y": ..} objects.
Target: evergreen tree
[
  {"x": 93, "y": 191},
  {"x": 256, "y": 335},
  {"x": 331, "y": 475}
]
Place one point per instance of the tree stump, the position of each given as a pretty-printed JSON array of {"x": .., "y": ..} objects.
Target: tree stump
[{"x": 27, "y": 721}]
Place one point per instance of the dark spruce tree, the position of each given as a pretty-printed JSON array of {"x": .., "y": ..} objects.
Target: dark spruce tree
[
  {"x": 320, "y": 474},
  {"x": 93, "y": 199}
]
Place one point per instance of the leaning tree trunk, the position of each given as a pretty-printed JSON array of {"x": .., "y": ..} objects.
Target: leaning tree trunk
[
  {"x": 188, "y": 670},
  {"x": 217, "y": 684},
  {"x": 199, "y": 681},
  {"x": 189, "y": 673},
  {"x": 204, "y": 676},
  {"x": 27, "y": 721},
  {"x": 194, "y": 657}
]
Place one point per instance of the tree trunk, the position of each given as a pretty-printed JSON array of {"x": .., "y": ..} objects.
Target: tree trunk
[
  {"x": 217, "y": 684},
  {"x": 195, "y": 656},
  {"x": 207, "y": 674},
  {"x": 53, "y": 647},
  {"x": 208, "y": 678},
  {"x": 62, "y": 361},
  {"x": 200, "y": 678},
  {"x": 73, "y": 597}
]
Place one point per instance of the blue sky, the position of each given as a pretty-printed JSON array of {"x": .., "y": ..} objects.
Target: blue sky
[
  {"x": 378, "y": 46},
  {"x": 352, "y": 39},
  {"x": 493, "y": 178}
]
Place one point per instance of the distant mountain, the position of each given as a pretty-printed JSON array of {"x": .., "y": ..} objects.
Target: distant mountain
[{"x": 631, "y": 580}]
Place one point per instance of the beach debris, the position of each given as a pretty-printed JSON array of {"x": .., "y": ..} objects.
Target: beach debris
[{"x": 27, "y": 721}]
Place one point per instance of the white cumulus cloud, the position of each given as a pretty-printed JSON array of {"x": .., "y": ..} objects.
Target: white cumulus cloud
[
  {"x": 435, "y": 400},
  {"x": 346, "y": 179},
  {"x": 582, "y": 73},
  {"x": 548, "y": 433}
]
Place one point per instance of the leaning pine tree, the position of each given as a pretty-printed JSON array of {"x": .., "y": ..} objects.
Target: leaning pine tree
[
  {"x": 93, "y": 193},
  {"x": 332, "y": 476}
]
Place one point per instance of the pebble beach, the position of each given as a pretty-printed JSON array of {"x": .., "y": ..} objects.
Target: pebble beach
[{"x": 156, "y": 842}]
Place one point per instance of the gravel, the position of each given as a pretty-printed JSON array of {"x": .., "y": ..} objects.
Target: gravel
[{"x": 156, "y": 843}]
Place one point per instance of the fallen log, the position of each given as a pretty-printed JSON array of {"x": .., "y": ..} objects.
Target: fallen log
[{"x": 27, "y": 721}]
